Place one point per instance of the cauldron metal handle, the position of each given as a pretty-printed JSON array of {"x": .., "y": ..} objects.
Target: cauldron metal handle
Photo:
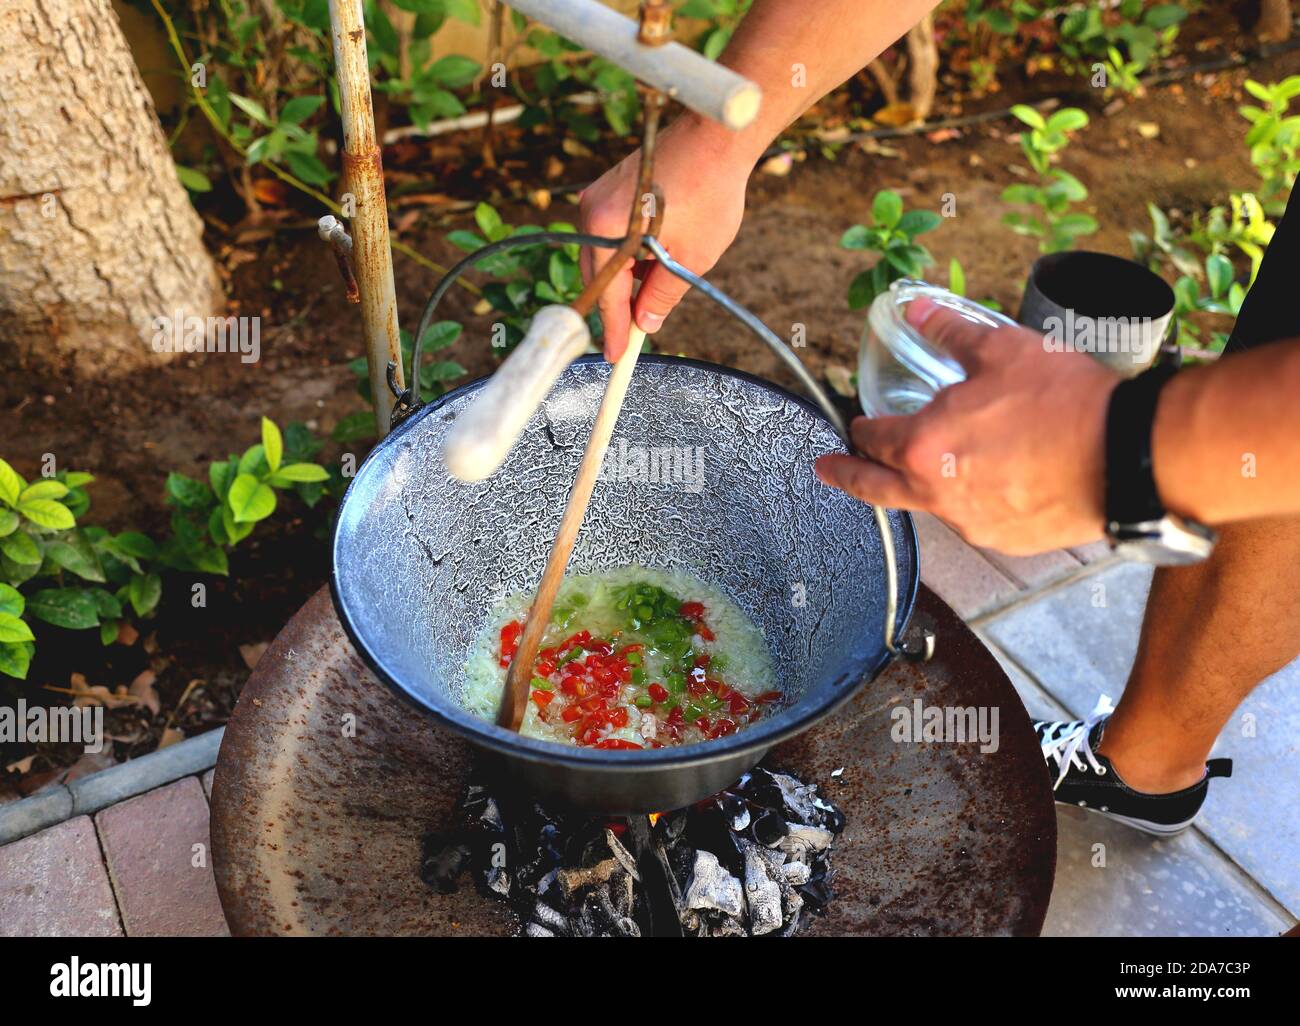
[{"x": 918, "y": 648}]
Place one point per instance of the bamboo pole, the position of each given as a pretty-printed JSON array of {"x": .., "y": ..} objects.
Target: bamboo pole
[{"x": 363, "y": 176}]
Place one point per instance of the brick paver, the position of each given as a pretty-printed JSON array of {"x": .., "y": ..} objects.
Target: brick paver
[
  {"x": 160, "y": 862},
  {"x": 958, "y": 574},
  {"x": 53, "y": 884}
]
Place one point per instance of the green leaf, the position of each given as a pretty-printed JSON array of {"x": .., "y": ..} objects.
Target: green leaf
[
  {"x": 75, "y": 554},
  {"x": 43, "y": 490},
  {"x": 48, "y": 513},
  {"x": 108, "y": 631},
  {"x": 11, "y": 600},
  {"x": 466, "y": 241},
  {"x": 440, "y": 335},
  {"x": 135, "y": 544},
  {"x": 21, "y": 549},
  {"x": 1068, "y": 120},
  {"x": 144, "y": 592},
  {"x": 106, "y": 603},
  {"x": 77, "y": 478},
  {"x": 915, "y": 222},
  {"x": 252, "y": 108},
  {"x": 210, "y": 560},
  {"x": 14, "y": 630},
  {"x": 858, "y": 237},
  {"x": 886, "y": 208},
  {"x": 188, "y": 493},
  {"x": 489, "y": 222},
  {"x": 300, "y": 108},
  {"x": 293, "y": 472},
  {"x": 1029, "y": 116},
  {"x": 15, "y": 659},
  {"x": 253, "y": 461},
  {"x": 250, "y": 500},
  {"x": 272, "y": 444},
  {"x": 220, "y": 475},
  {"x": 453, "y": 71},
  {"x": 1218, "y": 274},
  {"x": 195, "y": 181},
  {"x": 307, "y": 167},
  {"x": 11, "y": 484},
  {"x": 861, "y": 291},
  {"x": 443, "y": 370},
  {"x": 1163, "y": 15},
  {"x": 463, "y": 10},
  {"x": 354, "y": 427},
  {"x": 9, "y": 522},
  {"x": 73, "y": 608},
  {"x": 956, "y": 277}
]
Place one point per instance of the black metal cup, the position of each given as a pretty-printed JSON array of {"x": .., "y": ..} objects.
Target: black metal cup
[{"x": 1111, "y": 308}]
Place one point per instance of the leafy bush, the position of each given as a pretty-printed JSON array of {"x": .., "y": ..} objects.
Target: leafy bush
[
  {"x": 562, "y": 75},
  {"x": 97, "y": 576},
  {"x": 1128, "y": 40},
  {"x": 893, "y": 235},
  {"x": 435, "y": 376},
  {"x": 1055, "y": 225},
  {"x": 1274, "y": 139},
  {"x": 722, "y": 17},
  {"x": 1224, "y": 297},
  {"x": 532, "y": 276}
]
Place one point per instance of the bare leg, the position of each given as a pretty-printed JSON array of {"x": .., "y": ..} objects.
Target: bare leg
[{"x": 1211, "y": 633}]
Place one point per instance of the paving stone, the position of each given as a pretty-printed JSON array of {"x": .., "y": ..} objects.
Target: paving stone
[
  {"x": 1091, "y": 552},
  {"x": 149, "y": 843},
  {"x": 1034, "y": 571},
  {"x": 957, "y": 573},
  {"x": 1150, "y": 887},
  {"x": 53, "y": 884},
  {"x": 1078, "y": 649},
  {"x": 1039, "y": 704}
]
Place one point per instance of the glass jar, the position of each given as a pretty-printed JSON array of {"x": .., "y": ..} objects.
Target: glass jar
[{"x": 899, "y": 370}]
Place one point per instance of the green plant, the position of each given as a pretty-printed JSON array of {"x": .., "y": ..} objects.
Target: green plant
[
  {"x": 97, "y": 576},
  {"x": 410, "y": 73},
  {"x": 563, "y": 74},
  {"x": 529, "y": 276},
  {"x": 957, "y": 285},
  {"x": 435, "y": 375},
  {"x": 1055, "y": 225},
  {"x": 1138, "y": 36},
  {"x": 893, "y": 235},
  {"x": 1224, "y": 297},
  {"x": 1274, "y": 139},
  {"x": 1241, "y": 224},
  {"x": 722, "y": 17},
  {"x": 1163, "y": 244}
]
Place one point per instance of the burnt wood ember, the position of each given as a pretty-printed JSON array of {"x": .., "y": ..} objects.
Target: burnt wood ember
[{"x": 750, "y": 861}]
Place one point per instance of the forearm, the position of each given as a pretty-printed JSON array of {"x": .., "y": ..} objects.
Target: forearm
[
  {"x": 797, "y": 53},
  {"x": 1226, "y": 440}
]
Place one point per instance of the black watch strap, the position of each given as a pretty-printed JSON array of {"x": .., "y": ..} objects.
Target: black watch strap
[{"x": 1131, "y": 494}]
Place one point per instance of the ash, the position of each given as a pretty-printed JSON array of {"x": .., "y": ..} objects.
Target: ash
[{"x": 750, "y": 861}]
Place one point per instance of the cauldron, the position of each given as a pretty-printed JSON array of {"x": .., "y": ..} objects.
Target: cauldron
[{"x": 420, "y": 558}]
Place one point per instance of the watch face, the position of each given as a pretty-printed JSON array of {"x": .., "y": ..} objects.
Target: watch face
[{"x": 1169, "y": 541}]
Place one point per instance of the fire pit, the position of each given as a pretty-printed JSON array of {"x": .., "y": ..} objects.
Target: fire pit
[{"x": 327, "y": 784}]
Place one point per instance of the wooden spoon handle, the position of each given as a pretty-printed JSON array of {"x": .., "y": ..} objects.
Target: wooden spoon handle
[{"x": 515, "y": 699}]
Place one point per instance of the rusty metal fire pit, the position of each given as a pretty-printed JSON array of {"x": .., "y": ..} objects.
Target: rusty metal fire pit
[{"x": 326, "y": 782}]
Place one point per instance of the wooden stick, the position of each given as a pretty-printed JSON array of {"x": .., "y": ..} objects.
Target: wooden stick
[{"x": 515, "y": 699}]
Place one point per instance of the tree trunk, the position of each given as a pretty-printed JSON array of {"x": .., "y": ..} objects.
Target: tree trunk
[
  {"x": 923, "y": 66},
  {"x": 1274, "y": 23},
  {"x": 97, "y": 235}
]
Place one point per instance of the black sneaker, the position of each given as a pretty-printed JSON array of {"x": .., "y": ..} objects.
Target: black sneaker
[{"x": 1088, "y": 780}]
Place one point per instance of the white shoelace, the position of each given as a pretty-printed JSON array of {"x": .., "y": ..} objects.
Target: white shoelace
[{"x": 1072, "y": 747}]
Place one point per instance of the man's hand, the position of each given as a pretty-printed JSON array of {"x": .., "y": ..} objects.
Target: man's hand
[
  {"x": 1013, "y": 457},
  {"x": 703, "y": 184}
]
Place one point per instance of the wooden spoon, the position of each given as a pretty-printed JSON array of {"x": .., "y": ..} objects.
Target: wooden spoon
[{"x": 515, "y": 699}]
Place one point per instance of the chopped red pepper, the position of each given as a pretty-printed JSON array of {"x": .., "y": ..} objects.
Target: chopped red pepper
[
  {"x": 658, "y": 692},
  {"x": 617, "y": 742}
]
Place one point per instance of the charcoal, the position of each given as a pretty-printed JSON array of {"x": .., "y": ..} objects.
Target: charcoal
[
  {"x": 762, "y": 891},
  {"x": 574, "y": 880},
  {"x": 801, "y": 839},
  {"x": 768, "y": 829},
  {"x": 498, "y": 879},
  {"x": 712, "y": 887},
  {"x": 735, "y": 810},
  {"x": 796, "y": 873},
  {"x": 621, "y": 854},
  {"x": 443, "y": 861},
  {"x": 753, "y": 861}
]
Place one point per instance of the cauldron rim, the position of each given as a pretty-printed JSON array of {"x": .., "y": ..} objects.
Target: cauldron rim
[{"x": 757, "y": 738}]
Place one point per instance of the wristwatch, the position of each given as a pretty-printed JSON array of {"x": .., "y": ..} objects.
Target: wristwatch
[{"x": 1137, "y": 524}]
